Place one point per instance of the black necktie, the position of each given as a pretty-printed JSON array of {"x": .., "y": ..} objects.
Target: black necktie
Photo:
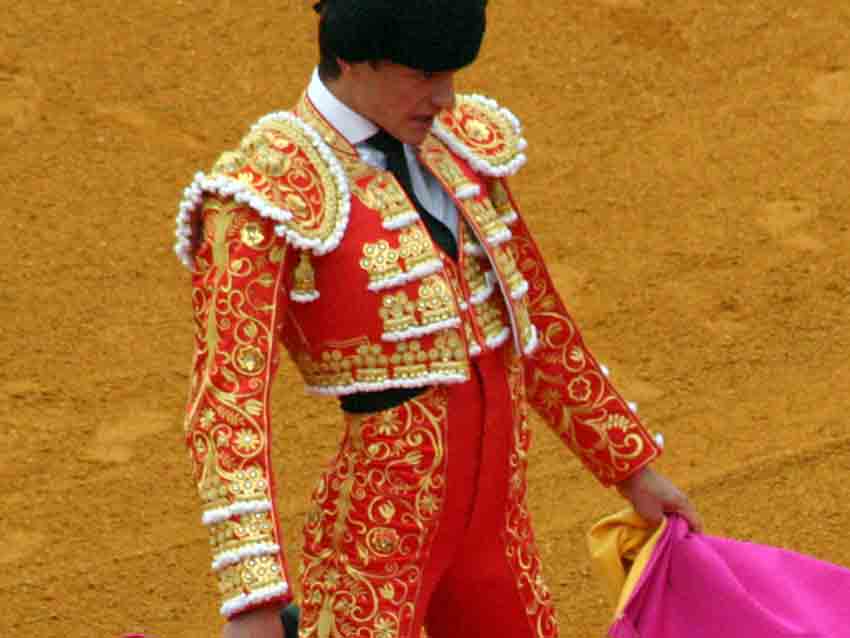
[{"x": 397, "y": 165}]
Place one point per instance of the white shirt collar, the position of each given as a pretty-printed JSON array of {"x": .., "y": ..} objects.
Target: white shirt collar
[{"x": 353, "y": 126}]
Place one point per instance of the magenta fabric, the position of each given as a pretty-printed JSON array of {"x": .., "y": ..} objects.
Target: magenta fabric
[{"x": 698, "y": 586}]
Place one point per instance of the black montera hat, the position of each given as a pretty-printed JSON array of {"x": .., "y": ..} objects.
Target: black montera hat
[{"x": 433, "y": 35}]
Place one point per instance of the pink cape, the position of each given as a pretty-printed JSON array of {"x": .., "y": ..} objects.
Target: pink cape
[{"x": 698, "y": 586}]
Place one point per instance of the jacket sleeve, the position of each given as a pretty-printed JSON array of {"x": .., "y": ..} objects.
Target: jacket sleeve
[
  {"x": 568, "y": 387},
  {"x": 239, "y": 298}
]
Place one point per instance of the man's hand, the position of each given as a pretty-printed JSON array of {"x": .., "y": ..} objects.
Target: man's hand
[
  {"x": 259, "y": 623},
  {"x": 652, "y": 495}
]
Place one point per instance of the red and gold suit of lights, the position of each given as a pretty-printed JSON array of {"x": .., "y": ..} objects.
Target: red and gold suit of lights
[{"x": 293, "y": 239}]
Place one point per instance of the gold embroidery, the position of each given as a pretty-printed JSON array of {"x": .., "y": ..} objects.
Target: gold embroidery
[
  {"x": 491, "y": 317},
  {"x": 446, "y": 167},
  {"x": 252, "y": 235},
  {"x": 364, "y": 580},
  {"x": 383, "y": 262},
  {"x": 486, "y": 217},
  {"x": 304, "y": 277},
  {"x": 250, "y": 360},
  {"x": 523, "y": 321},
  {"x": 442, "y": 353},
  {"x": 249, "y": 576},
  {"x": 436, "y": 302},
  {"x": 484, "y": 130},
  {"x": 279, "y": 163},
  {"x": 380, "y": 261},
  {"x": 521, "y": 550},
  {"x": 250, "y": 529},
  {"x": 249, "y": 484},
  {"x": 384, "y": 194},
  {"x": 475, "y": 275},
  {"x": 398, "y": 312},
  {"x": 416, "y": 247},
  {"x": 501, "y": 199},
  {"x": 268, "y": 153},
  {"x": 569, "y": 389},
  {"x": 382, "y": 541},
  {"x": 506, "y": 264}
]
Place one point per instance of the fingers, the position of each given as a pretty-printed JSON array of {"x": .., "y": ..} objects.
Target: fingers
[{"x": 686, "y": 510}]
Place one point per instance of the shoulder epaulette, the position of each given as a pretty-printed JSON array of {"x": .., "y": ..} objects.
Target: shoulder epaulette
[
  {"x": 483, "y": 133},
  {"x": 285, "y": 172}
]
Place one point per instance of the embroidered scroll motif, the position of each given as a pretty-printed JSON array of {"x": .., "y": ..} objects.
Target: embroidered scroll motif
[
  {"x": 486, "y": 135},
  {"x": 520, "y": 546},
  {"x": 375, "y": 513},
  {"x": 237, "y": 289},
  {"x": 565, "y": 383}
]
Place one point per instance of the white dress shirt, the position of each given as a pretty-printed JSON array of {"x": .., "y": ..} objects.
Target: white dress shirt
[{"x": 358, "y": 129}]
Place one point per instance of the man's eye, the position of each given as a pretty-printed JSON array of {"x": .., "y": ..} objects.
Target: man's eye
[{"x": 428, "y": 75}]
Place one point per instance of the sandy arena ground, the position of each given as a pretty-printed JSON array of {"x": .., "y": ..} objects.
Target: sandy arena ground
[{"x": 688, "y": 178}]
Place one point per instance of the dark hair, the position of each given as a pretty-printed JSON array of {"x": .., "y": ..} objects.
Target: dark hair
[
  {"x": 328, "y": 65},
  {"x": 432, "y": 35}
]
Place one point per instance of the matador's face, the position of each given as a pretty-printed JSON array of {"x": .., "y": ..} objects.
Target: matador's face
[{"x": 401, "y": 100}]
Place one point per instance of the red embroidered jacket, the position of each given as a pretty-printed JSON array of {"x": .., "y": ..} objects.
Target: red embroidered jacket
[{"x": 293, "y": 231}]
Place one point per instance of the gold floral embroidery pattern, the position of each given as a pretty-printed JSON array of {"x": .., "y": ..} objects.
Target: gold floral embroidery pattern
[
  {"x": 521, "y": 549},
  {"x": 565, "y": 382},
  {"x": 375, "y": 514},
  {"x": 236, "y": 291},
  {"x": 279, "y": 162},
  {"x": 484, "y": 134},
  {"x": 340, "y": 146}
]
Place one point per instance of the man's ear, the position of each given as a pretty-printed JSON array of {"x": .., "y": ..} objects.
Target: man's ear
[{"x": 344, "y": 66}]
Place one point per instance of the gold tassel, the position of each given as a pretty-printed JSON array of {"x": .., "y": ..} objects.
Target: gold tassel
[{"x": 304, "y": 285}]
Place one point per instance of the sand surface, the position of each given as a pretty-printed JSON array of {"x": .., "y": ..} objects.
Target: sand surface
[{"x": 688, "y": 178}]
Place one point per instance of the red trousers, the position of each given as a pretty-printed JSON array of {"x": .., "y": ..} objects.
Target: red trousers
[{"x": 421, "y": 520}]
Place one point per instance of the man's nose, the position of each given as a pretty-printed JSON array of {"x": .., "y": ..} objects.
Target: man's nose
[{"x": 443, "y": 95}]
